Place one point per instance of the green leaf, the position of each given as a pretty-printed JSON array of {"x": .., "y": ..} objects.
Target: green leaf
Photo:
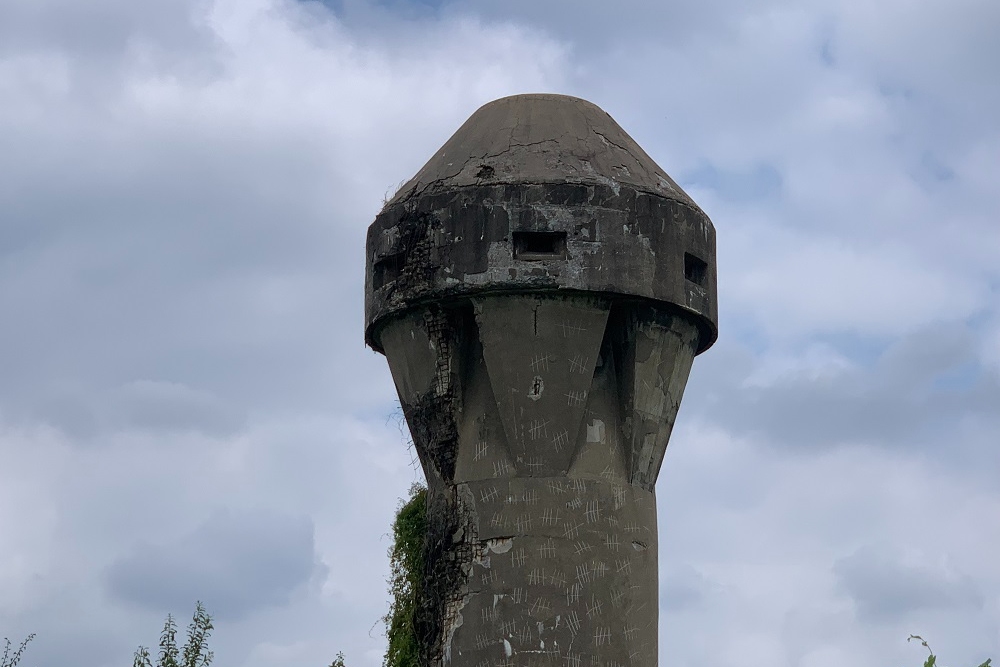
[
  {"x": 406, "y": 563},
  {"x": 168, "y": 644},
  {"x": 196, "y": 653},
  {"x": 141, "y": 658}
]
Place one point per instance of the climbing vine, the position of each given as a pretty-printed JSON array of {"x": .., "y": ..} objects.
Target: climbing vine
[{"x": 406, "y": 562}]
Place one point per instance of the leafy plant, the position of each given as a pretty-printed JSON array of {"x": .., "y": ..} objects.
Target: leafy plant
[
  {"x": 406, "y": 561},
  {"x": 931, "y": 660},
  {"x": 339, "y": 662},
  {"x": 195, "y": 652},
  {"x": 9, "y": 660}
]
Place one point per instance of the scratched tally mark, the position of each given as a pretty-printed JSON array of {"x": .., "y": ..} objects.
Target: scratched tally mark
[
  {"x": 572, "y": 530},
  {"x": 500, "y": 468},
  {"x": 570, "y": 328},
  {"x": 538, "y": 428},
  {"x": 534, "y": 463},
  {"x": 557, "y": 578},
  {"x": 540, "y": 362},
  {"x": 482, "y": 450},
  {"x": 540, "y": 606},
  {"x": 573, "y": 621},
  {"x": 578, "y": 364},
  {"x": 595, "y": 607},
  {"x": 561, "y": 440}
]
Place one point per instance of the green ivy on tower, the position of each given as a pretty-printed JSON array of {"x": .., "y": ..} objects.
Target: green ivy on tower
[{"x": 406, "y": 562}]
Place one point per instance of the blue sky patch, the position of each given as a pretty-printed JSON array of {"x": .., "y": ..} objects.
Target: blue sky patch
[{"x": 758, "y": 183}]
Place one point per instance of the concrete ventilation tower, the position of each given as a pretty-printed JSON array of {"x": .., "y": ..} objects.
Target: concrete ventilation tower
[{"x": 540, "y": 289}]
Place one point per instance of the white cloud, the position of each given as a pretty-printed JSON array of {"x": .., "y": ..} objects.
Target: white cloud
[
  {"x": 29, "y": 515},
  {"x": 775, "y": 534},
  {"x": 235, "y": 562},
  {"x": 816, "y": 363},
  {"x": 793, "y": 284}
]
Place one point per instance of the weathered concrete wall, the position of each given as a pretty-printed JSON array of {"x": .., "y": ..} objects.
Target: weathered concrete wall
[
  {"x": 540, "y": 330},
  {"x": 552, "y": 172},
  {"x": 625, "y": 243}
]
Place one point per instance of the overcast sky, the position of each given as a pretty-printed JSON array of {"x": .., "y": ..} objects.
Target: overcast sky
[{"x": 187, "y": 409}]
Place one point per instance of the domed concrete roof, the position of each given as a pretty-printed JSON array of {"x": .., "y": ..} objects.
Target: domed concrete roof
[{"x": 541, "y": 138}]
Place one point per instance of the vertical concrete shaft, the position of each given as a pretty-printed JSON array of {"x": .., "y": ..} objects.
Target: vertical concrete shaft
[{"x": 540, "y": 290}]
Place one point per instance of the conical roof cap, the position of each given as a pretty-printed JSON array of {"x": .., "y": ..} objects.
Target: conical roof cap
[{"x": 541, "y": 138}]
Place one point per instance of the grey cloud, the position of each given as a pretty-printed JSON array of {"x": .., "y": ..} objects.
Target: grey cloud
[
  {"x": 178, "y": 260},
  {"x": 919, "y": 388},
  {"x": 683, "y": 587},
  {"x": 886, "y": 588},
  {"x": 173, "y": 406},
  {"x": 150, "y": 405},
  {"x": 94, "y": 29},
  {"x": 597, "y": 24},
  {"x": 236, "y": 562}
]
